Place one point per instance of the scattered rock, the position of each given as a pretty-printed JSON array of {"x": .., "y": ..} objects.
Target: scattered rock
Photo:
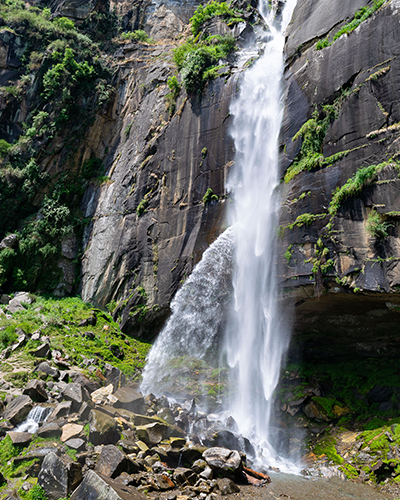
[
  {"x": 102, "y": 393},
  {"x": 50, "y": 430},
  {"x": 9, "y": 241},
  {"x": 42, "y": 351},
  {"x": 70, "y": 431},
  {"x": 77, "y": 394},
  {"x": 102, "y": 428},
  {"x": 35, "y": 389},
  {"x": 224, "y": 462},
  {"x": 18, "y": 409},
  {"x": 48, "y": 370},
  {"x": 95, "y": 486},
  {"x": 114, "y": 376},
  {"x": 20, "y": 438},
  {"x": 77, "y": 444},
  {"x": 61, "y": 410},
  {"x": 129, "y": 399},
  {"x": 57, "y": 478},
  {"x": 112, "y": 462}
]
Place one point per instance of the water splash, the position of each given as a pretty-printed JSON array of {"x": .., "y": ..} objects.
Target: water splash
[
  {"x": 195, "y": 324},
  {"x": 256, "y": 338},
  {"x": 36, "y": 416}
]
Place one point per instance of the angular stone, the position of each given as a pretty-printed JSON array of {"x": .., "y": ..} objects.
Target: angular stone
[
  {"x": 77, "y": 394},
  {"x": 102, "y": 428},
  {"x": 77, "y": 444},
  {"x": 84, "y": 411},
  {"x": 49, "y": 430},
  {"x": 96, "y": 487},
  {"x": 20, "y": 438},
  {"x": 114, "y": 376},
  {"x": 42, "y": 351},
  {"x": 112, "y": 462},
  {"x": 163, "y": 482},
  {"x": 48, "y": 370},
  {"x": 70, "y": 431},
  {"x": 129, "y": 399},
  {"x": 57, "y": 478},
  {"x": 35, "y": 389},
  {"x": 152, "y": 434},
  {"x": 89, "y": 385},
  {"x": 227, "y": 486},
  {"x": 102, "y": 393},
  {"x": 18, "y": 409},
  {"x": 10, "y": 241},
  {"x": 184, "y": 477},
  {"x": 224, "y": 462},
  {"x": 61, "y": 410}
]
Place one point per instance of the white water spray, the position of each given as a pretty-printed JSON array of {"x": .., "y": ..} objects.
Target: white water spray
[
  {"x": 36, "y": 416},
  {"x": 256, "y": 338}
]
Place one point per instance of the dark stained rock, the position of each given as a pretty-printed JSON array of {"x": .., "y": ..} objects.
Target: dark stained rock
[
  {"x": 192, "y": 453},
  {"x": 184, "y": 477},
  {"x": 97, "y": 487},
  {"x": 5, "y": 426},
  {"x": 153, "y": 433},
  {"x": 43, "y": 351},
  {"x": 61, "y": 410},
  {"x": 226, "y": 463},
  {"x": 49, "y": 430},
  {"x": 112, "y": 462},
  {"x": 48, "y": 370},
  {"x": 76, "y": 394},
  {"x": 79, "y": 378},
  {"x": 129, "y": 399},
  {"x": 102, "y": 428},
  {"x": 114, "y": 376},
  {"x": 57, "y": 478},
  {"x": 18, "y": 409},
  {"x": 35, "y": 389},
  {"x": 20, "y": 438},
  {"x": 84, "y": 411}
]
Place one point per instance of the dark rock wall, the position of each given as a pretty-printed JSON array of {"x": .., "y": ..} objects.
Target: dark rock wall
[{"x": 359, "y": 74}]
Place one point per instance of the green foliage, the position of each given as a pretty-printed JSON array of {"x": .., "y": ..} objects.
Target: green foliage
[
  {"x": 141, "y": 208},
  {"x": 288, "y": 253},
  {"x": 214, "y": 9},
  {"x": 91, "y": 168},
  {"x": 36, "y": 493},
  {"x": 138, "y": 36},
  {"x": 64, "y": 23},
  {"x": 4, "y": 148},
  {"x": 354, "y": 186},
  {"x": 7, "y": 337},
  {"x": 172, "y": 96},
  {"x": 376, "y": 225},
  {"x": 197, "y": 61},
  {"x": 328, "y": 447},
  {"x": 209, "y": 196},
  {"x": 359, "y": 17}
]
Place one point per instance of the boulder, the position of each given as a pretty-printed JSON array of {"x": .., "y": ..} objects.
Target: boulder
[
  {"x": 77, "y": 444},
  {"x": 102, "y": 428},
  {"x": 70, "y": 431},
  {"x": 224, "y": 462},
  {"x": 16, "y": 304},
  {"x": 10, "y": 241},
  {"x": 35, "y": 389},
  {"x": 129, "y": 399},
  {"x": 42, "y": 351},
  {"x": 18, "y": 409},
  {"x": 184, "y": 477},
  {"x": 21, "y": 341},
  {"x": 227, "y": 486},
  {"x": 61, "y": 410},
  {"x": 57, "y": 478},
  {"x": 102, "y": 393},
  {"x": 48, "y": 370},
  {"x": 88, "y": 384},
  {"x": 77, "y": 394},
  {"x": 114, "y": 376},
  {"x": 152, "y": 434},
  {"x": 97, "y": 487},
  {"x": 112, "y": 462},
  {"x": 50, "y": 430},
  {"x": 20, "y": 438}
]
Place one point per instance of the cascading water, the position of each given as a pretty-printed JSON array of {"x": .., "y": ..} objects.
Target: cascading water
[
  {"x": 36, "y": 416},
  {"x": 255, "y": 339}
]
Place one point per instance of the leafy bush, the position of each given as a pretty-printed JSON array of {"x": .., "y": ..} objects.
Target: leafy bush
[
  {"x": 37, "y": 493},
  {"x": 209, "y": 196},
  {"x": 213, "y": 9},
  {"x": 7, "y": 337},
  {"x": 137, "y": 35},
  {"x": 64, "y": 23},
  {"x": 376, "y": 226},
  {"x": 4, "y": 148},
  {"x": 172, "y": 96}
]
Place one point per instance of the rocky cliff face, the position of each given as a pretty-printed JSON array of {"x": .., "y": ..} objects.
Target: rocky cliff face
[{"x": 339, "y": 140}]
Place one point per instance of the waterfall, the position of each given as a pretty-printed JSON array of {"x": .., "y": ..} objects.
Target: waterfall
[
  {"x": 204, "y": 333},
  {"x": 256, "y": 338},
  {"x": 36, "y": 416}
]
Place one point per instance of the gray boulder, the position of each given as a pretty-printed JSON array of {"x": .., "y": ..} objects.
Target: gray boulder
[
  {"x": 48, "y": 370},
  {"x": 76, "y": 394},
  {"x": 57, "y": 478},
  {"x": 9, "y": 241},
  {"x": 17, "y": 410},
  {"x": 114, "y": 376},
  {"x": 42, "y": 351},
  {"x": 224, "y": 462},
  {"x": 61, "y": 410},
  {"x": 97, "y": 487},
  {"x": 35, "y": 389},
  {"x": 102, "y": 428},
  {"x": 112, "y": 462},
  {"x": 129, "y": 399},
  {"x": 20, "y": 438},
  {"x": 50, "y": 430}
]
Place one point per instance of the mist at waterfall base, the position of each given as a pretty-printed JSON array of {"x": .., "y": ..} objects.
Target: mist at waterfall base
[{"x": 226, "y": 337}]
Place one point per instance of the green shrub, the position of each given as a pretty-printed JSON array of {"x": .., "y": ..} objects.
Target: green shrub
[
  {"x": 209, "y": 196},
  {"x": 7, "y": 337},
  {"x": 137, "y": 35},
  {"x": 172, "y": 96},
  {"x": 4, "y": 148},
  {"x": 376, "y": 226},
  {"x": 64, "y": 23},
  {"x": 213, "y": 9},
  {"x": 37, "y": 493},
  {"x": 321, "y": 44}
]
